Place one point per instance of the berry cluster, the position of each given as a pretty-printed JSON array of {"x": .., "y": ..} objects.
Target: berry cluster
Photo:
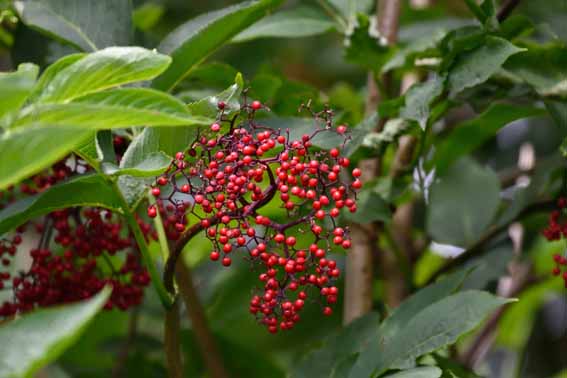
[
  {"x": 78, "y": 252},
  {"x": 238, "y": 166},
  {"x": 555, "y": 230}
]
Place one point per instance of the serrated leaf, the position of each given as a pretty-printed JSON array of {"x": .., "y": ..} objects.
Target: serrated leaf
[
  {"x": 350, "y": 340},
  {"x": 15, "y": 87},
  {"x": 476, "y": 66},
  {"x": 542, "y": 67},
  {"x": 153, "y": 164},
  {"x": 419, "y": 98},
  {"x": 38, "y": 338},
  {"x": 104, "y": 69},
  {"x": 34, "y": 149},
  {"x": 420, "y": 372},
  {"x": 193, "y": 41},
  {"x": 364, "y": 49},
  {"x": 78, "y": 22},
  {"x": 302, "y": 21},
  {"x": 115, "y": 108},
  {"x": 438, "y": 325},
  {"x": 86, "y": 190},
  {"x": 462, "y": 203},
  {"x": 472, "y": 134}
]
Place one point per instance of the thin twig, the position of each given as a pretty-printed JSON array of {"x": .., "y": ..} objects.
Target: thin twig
[
  {"x": 171, "y": 342},
  {"x": 206, "y": 341},
  {"x": 507, "y": 9},
  {"x": 478, "y": 248}
]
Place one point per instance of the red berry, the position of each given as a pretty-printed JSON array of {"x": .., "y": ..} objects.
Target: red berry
[{"x": 256, "y": 105}]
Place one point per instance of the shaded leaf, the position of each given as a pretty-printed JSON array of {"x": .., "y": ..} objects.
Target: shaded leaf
[
  {"x": 78, "y": 22},
  {"x": 153, "y": 164},
  {"x": 367, "y": 50},
  {"x": 471, "y": 134},
  {"x": 414, "y": 49},
  {"x": 371, "y": 207},
  {"x": 38, "y": 338},
  {"x": 208, "y": 106},
  {"x": 298, "y": 22},
  {"x": 420, "y": 372},
  {"x": 476, "y": 66},
  {"x": 193, "y": 41},
  {"x": 462, "y": 203},
  {"x": 418, "y": 100},
  {"x": 86, "y": 190}
]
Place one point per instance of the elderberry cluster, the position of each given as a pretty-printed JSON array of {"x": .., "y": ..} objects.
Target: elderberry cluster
[
  {"x": 75, "y": 253},
  {"x": 236, "y": 167},
  {"x": 556, "y": 230}
]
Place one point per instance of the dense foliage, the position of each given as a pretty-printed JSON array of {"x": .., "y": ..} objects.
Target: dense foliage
[{"x": 384, "y": 181}]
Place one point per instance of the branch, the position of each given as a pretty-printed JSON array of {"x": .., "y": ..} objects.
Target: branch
[
  {"x": 478, "y": 248},
  {"x": 507, "y": 9},
  {"x": 171, "y": 342},
  {"x": 206, "y": 341}
]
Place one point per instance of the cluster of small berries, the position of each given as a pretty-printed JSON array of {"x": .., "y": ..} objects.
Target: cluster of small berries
[
  {"x": 77, "y": 251},
  {"x": 556, "y": 230},
  {"x": 236, "y": 167}
]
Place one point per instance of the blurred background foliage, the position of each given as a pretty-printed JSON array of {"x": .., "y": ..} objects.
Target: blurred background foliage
[{"x": 284, "y": 72}]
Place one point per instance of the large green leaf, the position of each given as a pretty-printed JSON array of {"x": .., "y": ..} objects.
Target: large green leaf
[
  {"x": 32, "y": 149},
  {"x": 299, "y": 22},
  {"x": 350, "y": 340},
  {"x": 38, "y": 338},
  {"x": 543, "y": 67},
  {"x": 15, "y": 87},
  {"x": 193, "y": 41},
  {"x": 438, "y": 325},
  {"x": 462, "y": 203},
  {"x": 470, "y": 135},
  {"x": 104, "y": 69},
  {"x": 420, "y": 372},
  {"x": 86, "y": 190},
  {"x": 80, "y": 22},
  {"x": 476, "y": 66},
  {"x": 50, "y": 72},
  {"x": 115, "y": 108}
]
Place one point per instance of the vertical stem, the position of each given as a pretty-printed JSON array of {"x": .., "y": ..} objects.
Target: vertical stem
[
  {"x": 359, "y": 262},
  {"x": 171, "y": 342},
  {"x": 205, "y": 339}
]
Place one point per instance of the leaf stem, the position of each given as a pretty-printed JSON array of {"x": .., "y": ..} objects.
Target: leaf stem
[{"x": 476, "y": 10}]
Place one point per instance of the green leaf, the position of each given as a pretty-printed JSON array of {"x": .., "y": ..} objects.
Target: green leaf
[
  {"x": 349, "y": 8},
  {"x": 86, "y": 190},
  {"x": 472, "y": 134},
  {"x": 350, "y": 340},
  {"x": 38, "y": 338},
  {"x": 104, "y": 69},
  {"x": 414, "y": 49},
  {"x": 438, "y": 325},
  {"x": 419, "y": 98},
  {"x": 15, "y": 87},
  {"x": 147, "y": 15},
  {"x": 300, "y": 126},
  {"x": 359, "y": 133},
  {"x": 476, "y": 66},
  {"x": 342, "y": 368},
  {"x": 207, "y": 106},
  {"x": 371, "y": 207},
  {"x": 462, "y": 203},
  {"x": 302, "y": 21},
  {"x": 152, "y": 165},
  {"x": 33, "y": 149},
  {"x": 542, "y": 67},
  {"x": 392, "y": 130},
  {"x": 420, "y": 372},
  {"x": 115, "y": 108},
  {"x": 195, "y": 40},
  {"x": 50, "y": 72},
  {"x": 366, "y": 50},
  {"x": 79, "y": 22},
  {"x": 419, "y": 301}
]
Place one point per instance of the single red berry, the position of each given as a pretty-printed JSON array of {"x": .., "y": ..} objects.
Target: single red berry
[
  {"x": 221, "y": 105},
  {"x": 152, "y": 212},
  {"x": 156, "y": 192},
  {"x": 256, "y": 105}
]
